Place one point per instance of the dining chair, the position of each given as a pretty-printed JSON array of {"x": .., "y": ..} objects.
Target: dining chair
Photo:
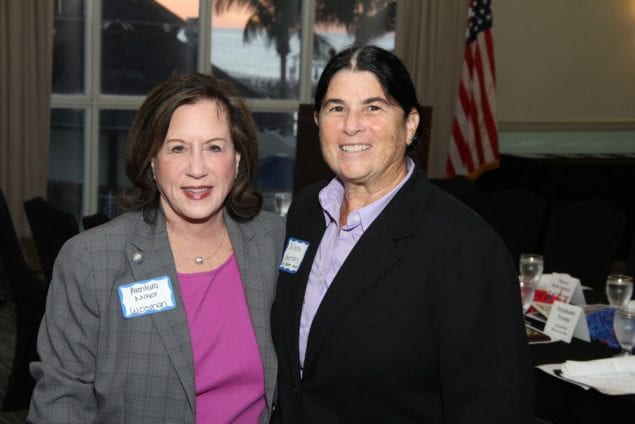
[
  {"x": 629, "y": 267},
  {"x": 51, "y": 228},
  {"x": 29, "y": 296},
  {"x": 93, "y": 220},
  {"x": 583, "y": 238},
  {"x": 519, "y": 216},
  {"x": 461, "y": 187},
  {"x": 309, "y": 164}
]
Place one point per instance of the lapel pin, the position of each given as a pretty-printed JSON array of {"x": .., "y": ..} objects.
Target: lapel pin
[{"x": 137, "y": 258}]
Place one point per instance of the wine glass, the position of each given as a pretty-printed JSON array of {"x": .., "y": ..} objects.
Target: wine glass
[
  {"x": 531, "y": 266},
  {"x": 624, "y": 326},
  {"x": 281, "y": 202},
  {"x": 619, "y": 289}
]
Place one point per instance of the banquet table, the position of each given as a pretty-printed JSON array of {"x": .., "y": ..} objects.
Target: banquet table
[{"x": 558, "y": 401}]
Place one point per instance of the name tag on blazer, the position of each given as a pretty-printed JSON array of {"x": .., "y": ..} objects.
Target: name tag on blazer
[
  {"x": 146, "y": 297},
  {"x": 293, "y": 255}
]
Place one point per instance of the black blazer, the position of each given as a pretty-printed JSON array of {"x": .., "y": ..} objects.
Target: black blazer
[{"x": 422, "y": 323}]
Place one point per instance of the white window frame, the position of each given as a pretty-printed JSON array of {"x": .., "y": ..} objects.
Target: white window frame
[{"x": 92, "y": 102}]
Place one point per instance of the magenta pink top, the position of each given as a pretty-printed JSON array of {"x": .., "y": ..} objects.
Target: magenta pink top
[{"x": 227, "y": 365}]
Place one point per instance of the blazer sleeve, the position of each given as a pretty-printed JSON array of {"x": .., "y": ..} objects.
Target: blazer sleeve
[
  {"x": 483, "y": 351},
  {"x": 67, "y": 343}
]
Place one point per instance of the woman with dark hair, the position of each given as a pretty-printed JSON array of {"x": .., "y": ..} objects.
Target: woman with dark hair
[
  {"x": 395, "y": 302},
  {"x": 162, "y": 314}
]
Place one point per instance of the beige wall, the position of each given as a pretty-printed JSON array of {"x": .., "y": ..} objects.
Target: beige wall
[{"x": 565, "y": 61}]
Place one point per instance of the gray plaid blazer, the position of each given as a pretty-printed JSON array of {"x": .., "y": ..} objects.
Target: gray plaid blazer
[{"x": 97, "y": 366}]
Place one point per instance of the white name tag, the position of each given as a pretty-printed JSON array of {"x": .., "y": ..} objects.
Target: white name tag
[
  {"x": 146, "y": 297},
  {"x": 293, "y": 255}
]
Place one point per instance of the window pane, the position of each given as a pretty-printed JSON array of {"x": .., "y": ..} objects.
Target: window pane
[
  {"x": 277, "y": 134},
  {"x": 144, "y": 43},
  {"x": 68, "y": 47},
  {"x": 341, "y": 24},
  {"x": 113, "y": 131},
  {"x": 259, "y": 50},
  {"x": 66, "y": 160}
]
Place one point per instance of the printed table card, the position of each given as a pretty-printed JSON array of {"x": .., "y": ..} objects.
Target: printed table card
[
  {"x": 567, "y": 288},
  {"x": 565, "y": 322}
]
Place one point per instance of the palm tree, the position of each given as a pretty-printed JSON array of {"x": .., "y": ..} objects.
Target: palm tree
[
  {"x": 276, "y": 20},
  {"x": 279, "y": 20},
  {"x": 365, "y": 19}
]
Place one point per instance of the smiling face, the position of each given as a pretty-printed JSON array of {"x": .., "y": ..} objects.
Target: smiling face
[
  {"x": 197, "y": 163},
  {"x": 363, "y": 134}
]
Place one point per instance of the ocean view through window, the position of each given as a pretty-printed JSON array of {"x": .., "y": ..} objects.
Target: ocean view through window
[{"x": 109, "y": 53}]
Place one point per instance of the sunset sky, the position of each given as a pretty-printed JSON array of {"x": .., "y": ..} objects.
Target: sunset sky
[{"x": 234, "y": 18}]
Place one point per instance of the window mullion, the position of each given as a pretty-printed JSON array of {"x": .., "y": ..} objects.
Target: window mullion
[{"x": 306, "y": 50}]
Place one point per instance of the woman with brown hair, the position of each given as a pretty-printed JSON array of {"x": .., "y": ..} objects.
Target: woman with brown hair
[{"x": 162, "y": 314}]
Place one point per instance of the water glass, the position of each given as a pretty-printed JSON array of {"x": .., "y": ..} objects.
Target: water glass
[
  {"x": 624, "y": 326},
  {"x": 527, "y": 292},
  {"x": 281, "y": 202},
  {"x": 619, "y": 289},
  {"x": 531, "y": 266}
]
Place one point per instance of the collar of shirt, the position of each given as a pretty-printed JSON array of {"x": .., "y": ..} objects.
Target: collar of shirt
[
  {"x": 332, "y": 196},
  {"x": 335, "y": 246}
]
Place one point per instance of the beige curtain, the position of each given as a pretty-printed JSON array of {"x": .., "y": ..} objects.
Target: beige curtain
[
  {"x": 26, "y": 28},
  {"x": 430, "y": 40}
]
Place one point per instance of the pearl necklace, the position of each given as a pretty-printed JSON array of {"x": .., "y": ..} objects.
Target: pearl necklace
[{"x": 199, "y": 260}]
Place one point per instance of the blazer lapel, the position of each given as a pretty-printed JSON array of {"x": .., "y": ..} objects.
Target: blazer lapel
[
  {"x": 152, "y": 244},
  {"x": 247, "y": 249},
  {"x": 362, "y": 268},
  {"x": 372, "y": 256},
  {"x": 311, "y": 231}
]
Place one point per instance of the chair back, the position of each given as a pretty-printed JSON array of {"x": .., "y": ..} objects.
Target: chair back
[
  {"x": 583, "y": 238},
  {"x": 90, "y": 221},
  {"x": 629, "y": 268},
  {"x": 421, "y": 151},
  {"x": 50, "y": 228},
  {"x": 29, "y": 297},
  {"x": 309, "y": 165},
  {"x": 461, "y": 187},
  {"x": 10, "y": 250},
  {"x": 518, "y": 216}
]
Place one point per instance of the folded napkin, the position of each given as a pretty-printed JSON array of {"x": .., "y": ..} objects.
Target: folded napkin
[
  {"x": 616, "y": 365},
  {"x": 613, "y": 376}
]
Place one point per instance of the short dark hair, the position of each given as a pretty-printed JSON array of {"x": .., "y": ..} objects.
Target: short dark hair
[
  {"x": 390, "y": 72},
  {"x": 149, "y": 128}
]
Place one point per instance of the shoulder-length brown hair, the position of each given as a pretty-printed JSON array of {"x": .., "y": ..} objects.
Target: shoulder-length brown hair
[{"x": 149, "y": 128}]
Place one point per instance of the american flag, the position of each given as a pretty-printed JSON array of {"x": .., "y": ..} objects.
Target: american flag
[{"x": 474, "y": 140}]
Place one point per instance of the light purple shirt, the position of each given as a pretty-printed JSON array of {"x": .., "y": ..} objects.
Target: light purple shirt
[
  {"x": 337, "y": 242},
  {"x": 228, "y": 371}
]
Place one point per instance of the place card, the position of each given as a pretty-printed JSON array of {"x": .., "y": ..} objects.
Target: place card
[
  {"x": 567, "y": 288},
  {"x": 567, "y": 321}
]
